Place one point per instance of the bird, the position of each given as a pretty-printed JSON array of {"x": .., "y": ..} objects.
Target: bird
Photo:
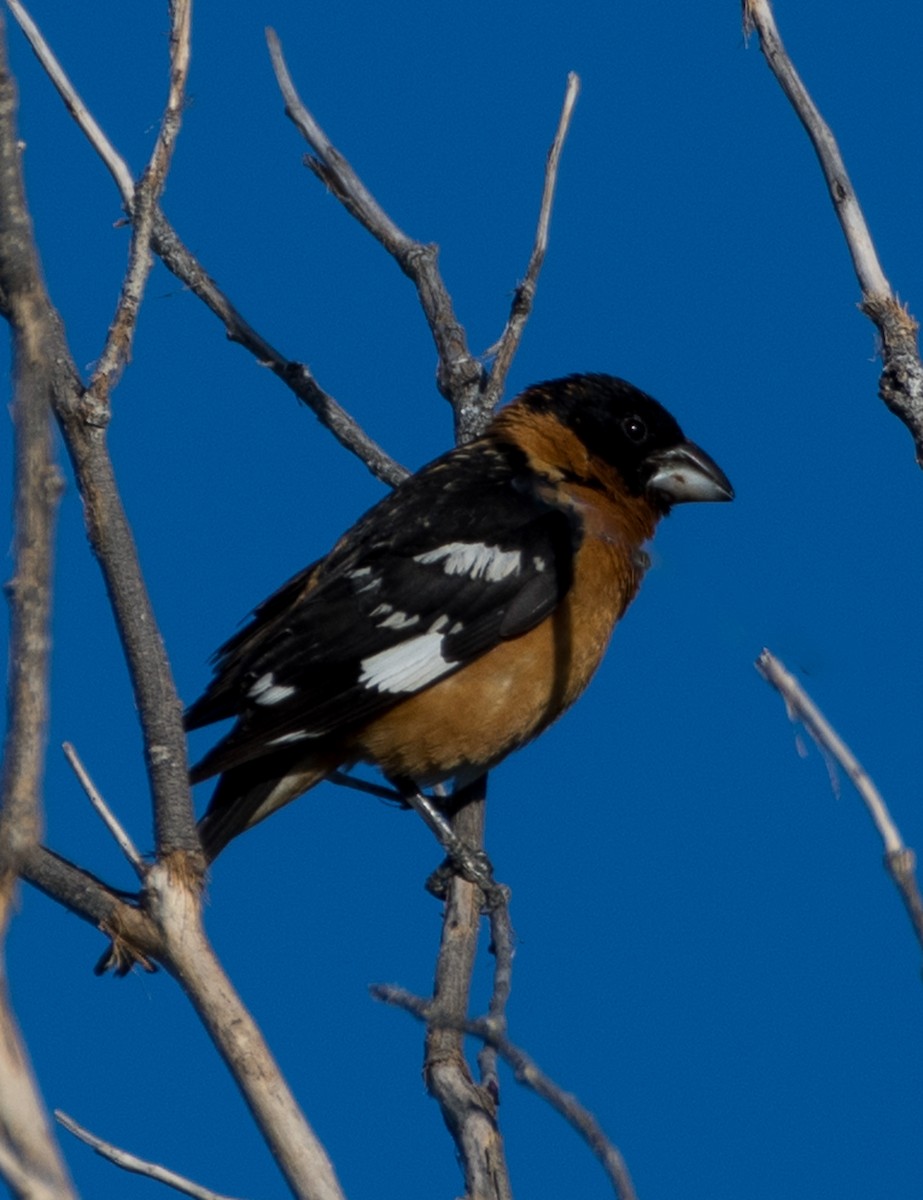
[{"x": 461, "y": 615}]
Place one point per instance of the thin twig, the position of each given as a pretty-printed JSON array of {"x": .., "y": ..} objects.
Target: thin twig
[
  {"x": 460, "y": 376},
  {"x": 527, "y": 1073},
  {"x": 116, "y": 165},
  {"x": 177, "y": 258},
  {"x": 524, "y": 296},
  {"x": 117, "y": 350},
  {"x": 138, "y": 1166},
  {"x": 900, "y": 860},
  {"x": 901, "y": 382},
  {"x": 108, "y": 817}
]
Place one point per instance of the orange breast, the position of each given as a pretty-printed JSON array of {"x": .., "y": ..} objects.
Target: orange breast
[{"x": 468, "y": 722}]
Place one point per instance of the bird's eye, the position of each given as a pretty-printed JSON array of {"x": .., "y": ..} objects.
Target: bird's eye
[{"x": 635, "y": 429}]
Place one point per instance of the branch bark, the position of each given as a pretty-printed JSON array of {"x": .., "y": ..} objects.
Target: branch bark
[{"x": 468, "y": 1109}]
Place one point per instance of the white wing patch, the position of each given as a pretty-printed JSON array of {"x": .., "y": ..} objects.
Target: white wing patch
[
  {"x": 391, "y": 619},
  {"x": 476, "y": 559},
  {"x": 266, "y": 691},
  {"x": 373, "y": 582},
  {"x": 399, "y": 620},
  {"x": 407, "y": 667},
  {"x": 285, "y": 738}
]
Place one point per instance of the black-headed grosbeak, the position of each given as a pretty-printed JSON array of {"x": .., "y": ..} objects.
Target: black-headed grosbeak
[{"x": 462, "y": 614}]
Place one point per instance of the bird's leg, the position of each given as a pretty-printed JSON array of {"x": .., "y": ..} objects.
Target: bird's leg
[
  {"x": 341, "y": 779},
  {"x": 472, "y": 864},
  {"x": 449, "y": 803}
]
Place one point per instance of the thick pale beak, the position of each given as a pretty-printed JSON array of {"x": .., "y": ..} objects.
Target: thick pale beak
[{"x": 685, "y": 473}]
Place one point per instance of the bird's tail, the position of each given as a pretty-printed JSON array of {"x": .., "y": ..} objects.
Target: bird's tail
[{"x": 247, "y": 794}]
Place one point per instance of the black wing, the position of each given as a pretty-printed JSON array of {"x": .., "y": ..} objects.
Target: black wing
[{"x": 462, "y": 555}]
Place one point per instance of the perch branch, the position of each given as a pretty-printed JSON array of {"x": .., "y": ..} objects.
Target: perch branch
[
  {"x": 468, "y": 1109},
  {"x": 527, "y": 1073},
  {"x": 138, "y": 1166},
  {"x": 899, "y": 860},
  {"x": 901, "y": 382}
]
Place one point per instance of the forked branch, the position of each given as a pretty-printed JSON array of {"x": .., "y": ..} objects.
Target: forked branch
[{"x": 527, "y": 1073}]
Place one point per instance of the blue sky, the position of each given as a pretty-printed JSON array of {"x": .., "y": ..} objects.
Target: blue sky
[{"x": 709, "y": 952}]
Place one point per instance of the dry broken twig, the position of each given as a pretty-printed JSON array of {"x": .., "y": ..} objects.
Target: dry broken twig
[
  {"x": 901, "y": 382},
  {"x": 900, "y": 860}
]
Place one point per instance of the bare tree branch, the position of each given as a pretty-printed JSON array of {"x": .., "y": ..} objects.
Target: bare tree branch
[
  {"x": 524, "y": 295},
  {"x": 460, "y": 377},
  {"x": 30, "y": 1157},
  {"x": 900, "y": 860},
  {"x": 901, "y": 382},
  {"x": 83, "y": 417},
  {"x": 182, "y": 263},
  {"x": 527, "y": 1073},
  {"x": 191, "y": 960},
  {"x": 468, "y": 1109},
  {"x": 166, "y": 923},
  {"x": 139, "y": 1166},
  {"x": 170, "y": 930}
]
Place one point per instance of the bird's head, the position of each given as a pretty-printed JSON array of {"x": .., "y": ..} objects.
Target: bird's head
[{"x": 628, "y": 430}]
